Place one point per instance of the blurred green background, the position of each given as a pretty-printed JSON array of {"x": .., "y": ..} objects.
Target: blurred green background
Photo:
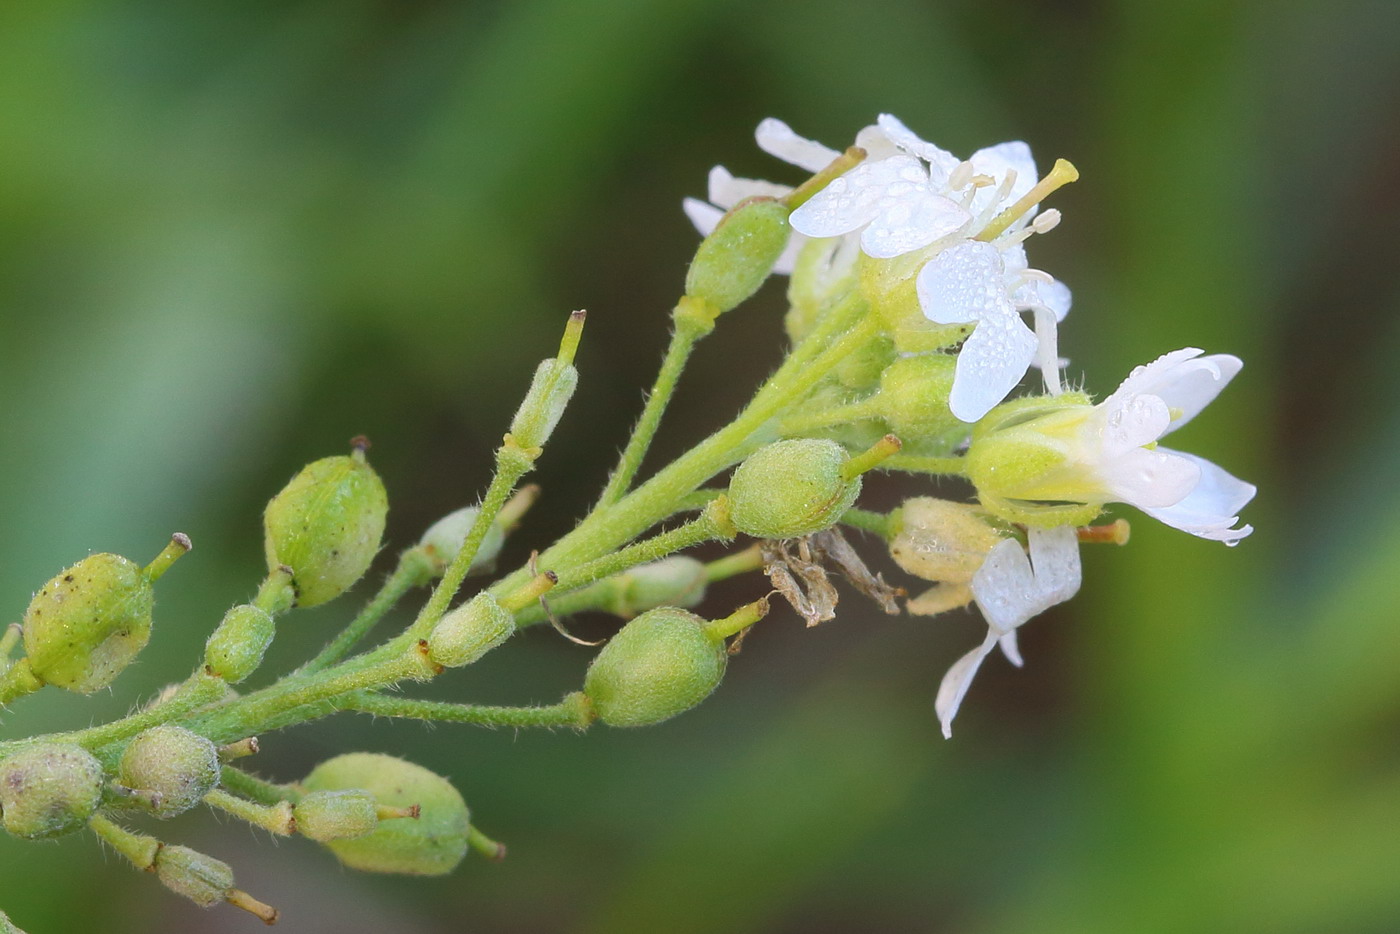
[{"x": 233, "y": 235}]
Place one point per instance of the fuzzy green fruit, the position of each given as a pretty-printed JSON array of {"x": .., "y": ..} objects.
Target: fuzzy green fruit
[
  {"x": 172, "y": 767},
  {"x": 660, "y": 664},
  {"x": 791, "y": 488},
  {"x": 49, "y": 790},
  {"x": 235, "y": 650}
]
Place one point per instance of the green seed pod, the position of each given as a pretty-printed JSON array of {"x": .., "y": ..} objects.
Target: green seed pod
[
  {"x": 432, "y": 845},
  {"x": 49, "y": 790},
  {"x": 791, "y": 488},
  {"x": 738, "y": 255},
  {"x": 87, "y": 624},
  {"x": 445, "y": 537},
  {"x": 236, "y": 648},
  {"x": 660, "y": 664},
  {"x": 470, "y": 631},
  {"x": 336, "y": 815},
  {"x": 913, "y": 397},
  {"x": 202, "y": 879},
  {"x": 550, "y": 391},
  {"x": 326, "y": 525},
  {"x": 675, "y": 581},
  {"x": 172, "y": 767}
]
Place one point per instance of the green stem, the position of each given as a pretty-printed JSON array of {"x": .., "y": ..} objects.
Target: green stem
[
  {"x": 413, "y": 570},
  {"x": 741, "y": 562},
  {"x": 689, "y": 329},
  {"x": 710, "y": 524},
  {"x": 17, "y": 681},
  {"x": 803, "y": 423},
  {"x": 274, "y": 818},
  {"x": 8, "y": 641},
  {"x": 876, "y": 523},
  {"x": 485, "y": 845},
  {"x": 257, "y": 789},
  {"x": 574, "y": 710},
  {"x": 139, "y": 849},
  {"x": 909, "y": 463}
]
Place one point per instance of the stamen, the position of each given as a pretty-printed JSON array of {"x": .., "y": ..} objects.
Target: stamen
[
  {"x": 1046, "y": 221},
  {"x": 1062, "y": 174},
  {"x": 961, "y": 176},
  {"x": 1114, "y": 533},
  {"x": 1047, "y": 334}
]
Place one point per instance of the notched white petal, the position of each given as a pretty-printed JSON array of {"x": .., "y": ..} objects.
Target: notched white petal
[
  {"x": 1211, "y": 509},
  {"x": 854, "y": 199},
  {"x": 963, "y": 284},
  {"x": 992, "y": 361},
  {"x": 778, "y": 139},
  {"x": 910, "y": 220},
  {"x": 1150, "y": 479}
]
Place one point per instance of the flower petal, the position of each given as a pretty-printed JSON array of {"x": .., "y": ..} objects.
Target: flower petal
[
  {"x": 726, "y": 190},
  {"x": 956, "y": 682},
  {"x": 705, "y": 217},
  {"x": 1129, "y": 422},
  {"x": 992, "y": 361},
  {"x": 1149, "y": 479},
  {"x": 941, "y": 161},
  {"x": 996, "y": 161},
  {"x": 1212, "y": 507},
  {"x": 909, "y": 220},
  {"x": 1010, "y": 649},
  {"x": 852, "y": 200},
  {"x": 1011, "y": 588},
  {"x": 1055, "y": 557},
  {"x": 963, "y": 284},
  {"x": 777, "y": 139}
]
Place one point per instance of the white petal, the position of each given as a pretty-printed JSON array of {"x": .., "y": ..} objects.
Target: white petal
[
  {"x": 1154, "y": 377},
  {"x": 996, "y": 161},
  {"x": 787, "y": 260},
  {"x": 727, "y": 190},
  {"x": 1212, "y": 507},
  {"x": 852, "y": 201},
  {"x": 1191, "y": 384},
  {"x": 1128, "y": 422},
  {"x": 941, "y": 161},
  {"x": 1055, "y": 296},
  {"x": 992, "y": 361},
  {"x": 1055, "y": 558},
  {"x": 1150, "y": 479},
  {"x": 1010, "y": 649},
  {"x": 1004, "y": 587},
  {"x": 956, "y": 682},
  {"x": 909, "y": 220},
  {"x": 876, "y": 144},
  {"x": 705, "y": 217},
  {"x": 777, "y": 139},
  {"x": 962, "y": 284}
]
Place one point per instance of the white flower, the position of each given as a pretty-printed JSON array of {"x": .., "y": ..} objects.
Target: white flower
[
  {"x": 1010, "y": 589},
  {"x": 977, "y": 283}
]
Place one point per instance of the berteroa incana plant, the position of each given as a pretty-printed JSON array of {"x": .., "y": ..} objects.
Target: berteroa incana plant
[{"x": 914, "y": 314}]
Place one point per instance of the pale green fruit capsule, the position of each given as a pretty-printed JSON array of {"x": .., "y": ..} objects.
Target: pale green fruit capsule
[
  {"x": 792, "y": 488},
  {"x": 738, "y": 255},
  {"x": 470, "y": 631},
  {"x": 171, "y": 767},
  {"x": 659, "y": 665},
  {"x": 236, "y": 648},
  {"x": 432, "y": 845},
  {"x": 550, "y": 391},
  {"x": 326, "y": 526},
  {"x": 446, "y": 536},
  {"x": 913, "y": 397},
  {"x": 942, "y": 541},
  {"x": 202, "y": 879},
  {"x": 675, "y": 581},
  {"x": 336, "y": 815},
  {"x": 88, "y": 623},
  {"x": 49, "y": 790}
]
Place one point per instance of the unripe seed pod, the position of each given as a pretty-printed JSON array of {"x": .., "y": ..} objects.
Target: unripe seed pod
[
  {"x": 432, "y": 845},
  {"x": 660, "y": 664},
  {"x": 939, "y": 540},
  {"x": 49, "y": 790},
  {"x": 326, "y": 525},
  {"x": 738, "y": 255},
  {"x": 236, "y": 648},
  {"x": 202, "y": 879},
  {"x": 87, "y": 624},
  {"x": 791, "y": 488},
  {"x": 173, "y": 767},
  {"x": 675, "y": 581},
  {"x": 550, "y": 391},
  {"x": 336, "y": 815},
  {"x": 470, "y": 631},
  {"x": 445, "y": 537}
]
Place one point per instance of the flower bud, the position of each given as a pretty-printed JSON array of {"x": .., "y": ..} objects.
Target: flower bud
[
  {"x": 470, "y": 631},
  {"x": 336, "y": 815},
  {"x": 202, "y": 879},
  {"x": 236, "y": 648},
  {"x": 791, "y": 488},
  {"x": 675, "y": 581},
  {"x": 550, "y": 391},
  {"x": 913, "y": 397},
  {"x": 446, "y": 536},
  {"x": 326, "y": 525},
  {"x": 88, "y": 623},
  {"x": 861, "y": 369},
  {"x": 432, "y": 845},
  {"x": 889, "y": 286},
  {"x": 170, "y": 767},
  {"x": 939, "y": 540},
  {"x": 738, "y": 255},
  {"x": 49, "y": 789},
  {"x": 660, "y": 664}
]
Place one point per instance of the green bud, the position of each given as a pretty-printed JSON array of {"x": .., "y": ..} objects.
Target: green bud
[
  {"x": 432, "y": 845},
  {"x": 446, "y": 536},
  {"x": 87, "y": 624},
  {"x": 862, "y": 369},
  {"x": 236, "y": 648},
  {"x": 675, "y": 581},
  {"x": 49, "y": 790},
  {"x": 170, "y": 767},
  {"x": 660, "y": 664},
  {"x": 336, "y": 815},
  {"x": 738, "y": 255},
  {"x": 939, "y": 540},
  {"x": 913, "y": 397},
  {"x": 792, "y": 488},
  {"x": 889, "y": 285},
  {"x": 326, "y": 525},
  {"x": 470, "y": 631},
  {"x": 202, "y": 879}
]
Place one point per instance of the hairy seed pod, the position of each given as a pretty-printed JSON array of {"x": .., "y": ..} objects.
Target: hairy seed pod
[
  {"x": 202, "y": 879},
  {"x": 791, "y": 488},
  {"x": 49, "y": 790},
  {"x": 326, "y": 526},
  {"x": 738, "y": 255},
  {"x": 432, "y": 845},
  {"x": 336, "y": 815},
  {"x": 675, "y": 581},
  {"x": 172, "y": 767},
  {"x": 913, "y": 397},
  {"x": 470, "y": 631},
  {"x": 446, "y": 536},
  {"x": 659, "y": 665},
  {"x": 235, "y": 650},
  {"x": 88, "y": 623}
]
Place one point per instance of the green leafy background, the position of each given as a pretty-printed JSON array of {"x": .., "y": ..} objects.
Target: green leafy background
[{"x": 233, "y": 235}]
